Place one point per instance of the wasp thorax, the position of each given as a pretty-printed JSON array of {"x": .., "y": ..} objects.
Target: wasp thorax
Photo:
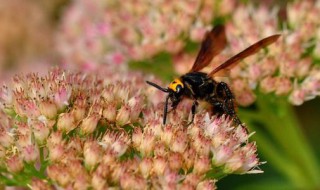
[{"x": 176, "y": 85}]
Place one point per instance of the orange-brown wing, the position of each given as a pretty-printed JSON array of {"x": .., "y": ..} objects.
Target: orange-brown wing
[
  {"x": 245, "y": 53},
  {"x": 214, "y": 42}
]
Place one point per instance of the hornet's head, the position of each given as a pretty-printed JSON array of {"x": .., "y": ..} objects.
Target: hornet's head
[
  {"x": 175, "y": 91},
  {"x": 176, "y": 88}
]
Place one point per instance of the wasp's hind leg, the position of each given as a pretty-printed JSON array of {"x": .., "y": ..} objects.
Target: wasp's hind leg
[{"x": 224, "y": 91}]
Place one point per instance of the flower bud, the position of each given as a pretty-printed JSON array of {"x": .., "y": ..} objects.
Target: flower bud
[
  {"x": 123, "y": 115},
  {"x": 38, "y": 184},
  {"x": 108, "y": 94},
  {"x": 201, "y": 165},
  {"x": 179, "y": 143},
  {"x": 40, "y": 132},
  {"x": 175, "y": 161},
  {"x": 6, "y": 139},
  {"x": 110, "y": 112},
  {"x": 119, "y": 147},
  {"x": 206, "y": 184},
  {"x": 81, "y": 182},
  {"x": 167, "y": 135},
  {"x": 284, "y": 86},
  {"x": 23, "y": 140},
  {"x": 98, "y": 182},
  {"x": 30, "y": 153},
  {"x": 189, "y": 157},
  {"x": 56, "y": 152},
  {"x": 92, "y": 154},
  {"x": 78, "y": 112},
  {"x": 26, "y": 108},
  {"x": 234, "y": 163},
  {"x": 66, "y": 122},
  {"x": 128, "y": 181},
  {"x": 192, "y": 179},
  {"x": 137, "y": 137},
  {"x": 89, "y": 123},
  {"x": 62, "y": 95},
  {"x": 121, "y": 90},
  {"x": 268, "y": 84},
  {"x": 246, "y": 97},
  {"x": 221, "y": 154},
  {"x": 297, "y": 97},
  {"x": 147, "y": 143},
  {"x": 48, "y": 109},
  {"x": 202, "y": 144},
  {"x": 145, "y": 167},
  {"x": 55, "y": 138},
  {"x": 159, "y": 165},
  {"x": 60, "y": 174},
  {"x": 135, "y": 103},
  {"x": 14, "y": 164}
]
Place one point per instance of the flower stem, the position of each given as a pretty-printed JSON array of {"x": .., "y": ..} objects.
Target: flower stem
[{"x": 42, "y": 160}]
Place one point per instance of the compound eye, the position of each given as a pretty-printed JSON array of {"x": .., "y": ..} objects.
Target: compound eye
[{"x": 178, "y": 88}]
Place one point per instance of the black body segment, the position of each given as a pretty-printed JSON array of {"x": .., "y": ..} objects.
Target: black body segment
[{"x": 199, "y": 86}]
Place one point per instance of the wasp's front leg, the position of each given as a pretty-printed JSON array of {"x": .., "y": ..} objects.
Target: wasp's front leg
[
  {"x": 193, "y": 111},
  {"x": 174, "y": 105},
  {"x": 165, "y": 110}
]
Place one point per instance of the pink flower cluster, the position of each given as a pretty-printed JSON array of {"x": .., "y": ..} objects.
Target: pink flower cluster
[
  {"x": 287, "y": 68},
  {"x": 134, "y": 30},
  {"x": 80, "y": 131}
]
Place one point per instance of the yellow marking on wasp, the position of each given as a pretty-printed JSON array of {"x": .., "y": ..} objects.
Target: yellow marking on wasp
[{"x": 173, "y": 85}]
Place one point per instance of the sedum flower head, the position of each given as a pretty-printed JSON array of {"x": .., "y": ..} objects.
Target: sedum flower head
[
  {"x": 134, "y": 30},
  {"x": 107, "y": 133},
  {"x": 288, "y": 68}
]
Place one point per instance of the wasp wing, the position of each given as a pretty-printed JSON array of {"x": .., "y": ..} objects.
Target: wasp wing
[
  {"x": 214, "y": 42},
  {"x": 246, "y": 53}
]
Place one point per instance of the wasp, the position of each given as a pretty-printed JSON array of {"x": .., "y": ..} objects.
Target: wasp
[{"x": 197, "y": 85}]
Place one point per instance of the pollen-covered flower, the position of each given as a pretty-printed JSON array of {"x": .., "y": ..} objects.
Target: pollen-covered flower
[{"x": 107, "y": 133}]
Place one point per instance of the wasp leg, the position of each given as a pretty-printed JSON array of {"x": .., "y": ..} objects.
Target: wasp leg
[
  {"x": 223, "y": 89},
  {"x": 218, "y": 107},
  {"x": 228, "y": 107},
  {"x": 193, "y": 111},
  {"x": 165, "y": 110},
  {"x": 174, "y": 105}
]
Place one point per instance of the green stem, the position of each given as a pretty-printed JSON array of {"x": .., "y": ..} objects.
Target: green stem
[
  {"x": 301, "y": 150},
  {"x": 275, "y": 157},
  {"x": 43, "y": 164},
  {"x": 284, "y": 144}
]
